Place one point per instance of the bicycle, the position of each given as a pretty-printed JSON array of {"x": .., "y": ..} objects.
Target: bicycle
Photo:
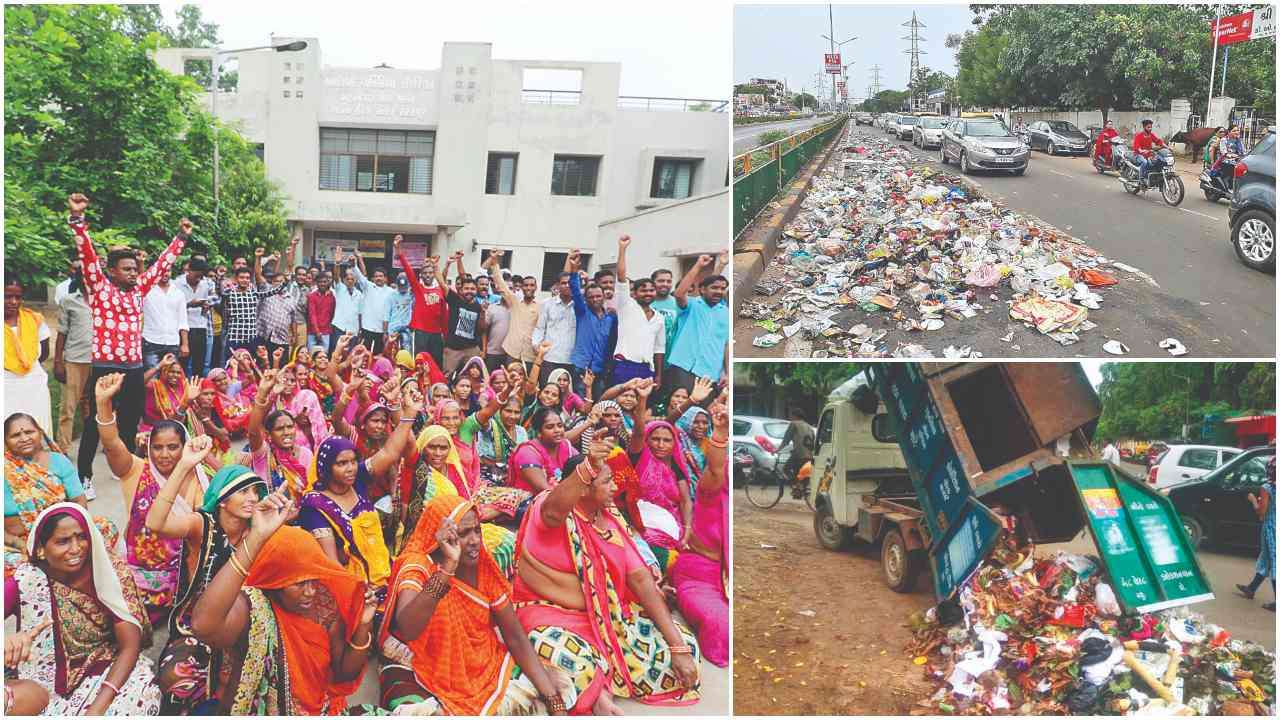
[{"x": 766, "y": 485}]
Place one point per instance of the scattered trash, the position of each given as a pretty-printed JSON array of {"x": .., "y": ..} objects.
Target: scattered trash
[
  {"x": 766, "y": 546},
  {"x": 1115, "y": 347},
  {"x": 1174, "y": 347},
  {"x": 807, "y": 613},
  {"x": 767, "y": 341}
]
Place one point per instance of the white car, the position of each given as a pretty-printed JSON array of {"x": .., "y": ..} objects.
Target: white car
[
  {"x": 746, "y": 430},
  {"x": 1183, "y": 463}
]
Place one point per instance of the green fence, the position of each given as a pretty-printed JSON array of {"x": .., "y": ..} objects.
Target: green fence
[{"x": 761, "y": 173}]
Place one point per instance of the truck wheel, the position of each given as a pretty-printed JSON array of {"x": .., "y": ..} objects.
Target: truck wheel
[
  {"x": 900, "y": 565},
  {"x": 831, "y": 535}
]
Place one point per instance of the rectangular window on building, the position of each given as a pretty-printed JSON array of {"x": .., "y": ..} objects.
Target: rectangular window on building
[
  {"x": 500, "y": 177},
  {"x": 672, "y": 178},
  {"x": 399, "y": 161},
  {"x": 505, "y": 262},
  {"x": 574, "y": 174},
  {"x": 553, "y": 265}
]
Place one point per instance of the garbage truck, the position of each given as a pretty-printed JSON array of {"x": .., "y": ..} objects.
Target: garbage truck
[{"x": 928, "y": 459}]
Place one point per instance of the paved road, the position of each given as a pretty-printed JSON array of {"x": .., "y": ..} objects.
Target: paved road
[
  {"x": 744, "y": 136},
  {"x": 1206, "y": 298}
]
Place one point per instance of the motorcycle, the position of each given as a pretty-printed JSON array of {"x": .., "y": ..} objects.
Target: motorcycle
[
  {"x": 1160, "y": 175},
  {"x": 1216, "y": 186},
  {"x": 1119, "y": 150}
]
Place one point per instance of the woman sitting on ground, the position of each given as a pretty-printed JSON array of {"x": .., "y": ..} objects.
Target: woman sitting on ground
[
  {"x": 589, "y": 603},
  {"x": 273, "y": 450},
  {"x": 302, "y": 624},
  {"x": 537, "y": 464},
  {"x": 37, "y": 475},
  {"x": 495, "y": 432},
  {"x": 168, "y": 394},
  {"x": 453, "y": 634},
  {"x": 191, "y": 673},
  {"x": 81, "y": 623},
  {"x": 301, "y": 402},
  {"x": 153, "y": 559},
  {"x": 233, "y": 413},
  {"x": 665, "y": 482},
  {"x": 203, "y": 417}
]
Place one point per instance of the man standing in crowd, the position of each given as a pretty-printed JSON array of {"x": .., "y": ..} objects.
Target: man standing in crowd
[
  {"x": 400, "y": 313},
  {"x": 558, "y": 325},
  {"x": 430, "y": 311},
  {"x": 201, "y": 297},
  {"x": 594, "y": 323},
  {"x": 321, "y": 304},
  {"x": 115, "y": 302},
  {"x": 346, "y": 313},
  {"x": 72, "y": 356},
  {"x": 240, "y": 305},
  {"x": 298, "y": 313},
  {"x": 497, "y": 320},
  {"x": 466, "y": 316},
  {"x": 373, "y": 308},
  {"x": 164, "y": 323},
  {"x": 702, "y": 346},
  {"x": 275, "y": 314},
  {"x": 606, "y": 280},
  {"x": 642, "y": 332},
  {"x": 522, "y": 311},
  {"x": 665, "y": 303}
]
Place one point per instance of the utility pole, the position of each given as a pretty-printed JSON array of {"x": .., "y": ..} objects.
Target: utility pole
[
  {"x": 915, "y": 52},
  {"x": 831, "y": 28}
]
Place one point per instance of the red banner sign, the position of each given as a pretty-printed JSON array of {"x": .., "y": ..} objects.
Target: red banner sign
[
  {"x": 1233, "y": 28},
  {"x": 832, "y": 62}
]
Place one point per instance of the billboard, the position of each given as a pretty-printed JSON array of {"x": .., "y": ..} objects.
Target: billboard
[
  {"x": 832, "y": 61},
  {"x": 1245, "y": 26}
]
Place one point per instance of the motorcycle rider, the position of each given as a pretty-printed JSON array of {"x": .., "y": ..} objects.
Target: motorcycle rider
[
  {"x": 1230, "y": 150},
  {"x": 1102, "y": 145},
  {"x": 1144, "y": 145}
]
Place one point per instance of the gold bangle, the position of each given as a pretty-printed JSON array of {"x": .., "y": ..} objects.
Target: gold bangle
[
  {"x": 98, "y": 420},
  {"x": 681, "y": 650},
  {"x": 235, "y": 564}
]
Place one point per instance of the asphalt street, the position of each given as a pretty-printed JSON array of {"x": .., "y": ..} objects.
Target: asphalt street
[
  {"x": 1206, "y": 298},
  {"x": 745, "y": 136}
]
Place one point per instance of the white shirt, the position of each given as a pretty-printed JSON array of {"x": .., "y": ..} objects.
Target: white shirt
[
  {"x": 639, "y": 337},
  {"x": 197, "y": 318},
  {"x": 1111, "y": 454},
  {"x": 373, "y": 308},
  {"x": 558, "y": 324},
  {"x": 164, "y": 313}
]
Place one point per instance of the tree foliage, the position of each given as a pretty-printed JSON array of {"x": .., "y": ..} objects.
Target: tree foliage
[
  {"x": 886, "y": 101},
  {"x": 87, "y": 110},
  {"x": 803, "y": 100},
  {"x": 1154, "y": 400}
]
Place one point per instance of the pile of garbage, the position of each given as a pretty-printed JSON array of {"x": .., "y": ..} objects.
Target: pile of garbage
[
  {"x": 1028, "y": 636},
  {"x": 882, "y": 241}
]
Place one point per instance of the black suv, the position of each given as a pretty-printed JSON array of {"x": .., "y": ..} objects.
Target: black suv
[
  {"x": 1253, "y": 206},
  {"x": 1215, "y": 507}
]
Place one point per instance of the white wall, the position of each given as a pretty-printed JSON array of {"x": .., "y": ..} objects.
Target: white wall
[{"x": 664, "y": 236}]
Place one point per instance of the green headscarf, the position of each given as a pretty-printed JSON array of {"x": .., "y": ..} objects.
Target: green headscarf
[{"x": 230, "y": 479}]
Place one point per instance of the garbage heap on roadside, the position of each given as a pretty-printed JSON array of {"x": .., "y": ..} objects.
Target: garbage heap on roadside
[
  {"x": 883, "y": 242},
  {"x": 1046, "y": 636}
]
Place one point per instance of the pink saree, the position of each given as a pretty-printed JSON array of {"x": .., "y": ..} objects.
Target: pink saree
[{"x": 702, "y": 586}]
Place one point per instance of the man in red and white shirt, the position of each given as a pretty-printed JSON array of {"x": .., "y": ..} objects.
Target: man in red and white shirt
[{"x": 115, "y": 304}]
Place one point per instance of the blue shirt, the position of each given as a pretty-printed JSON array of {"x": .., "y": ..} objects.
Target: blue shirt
[
  {"x": 704, "y": 331},
  {"x": 399, "y": 311},
  {"x": 591, "y": 338},
  {"x": 346, "y": 311}
]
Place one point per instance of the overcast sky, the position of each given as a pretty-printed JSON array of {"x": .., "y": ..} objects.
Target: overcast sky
[
  {"x": 785, "y": 41},
  {"x": 667, "y": 48}
]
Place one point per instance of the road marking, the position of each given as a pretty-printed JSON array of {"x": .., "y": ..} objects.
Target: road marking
[
  {"x": 1055, "y": 172},
  {"x": 1193, "y": 212}
]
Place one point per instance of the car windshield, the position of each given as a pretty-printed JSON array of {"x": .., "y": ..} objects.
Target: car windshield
[
  {"x": 1265, "y": 146},
  {"x": 1245, "y": 469},
  {"x": 1063, "y": 126},
  {"x": 776, "y": 429},
  {"x": 932, "y": 123},
  {"x": 988, "y": 128},
  {"x": 907, "y": 120}
]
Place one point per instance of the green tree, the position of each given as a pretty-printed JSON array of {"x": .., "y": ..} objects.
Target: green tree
[
  {"x": 886, "y": 101},
  {"x": 87, "y": 110},
  {"x": 804, "y": 100},
  {"x": 1154, "y": 400}
]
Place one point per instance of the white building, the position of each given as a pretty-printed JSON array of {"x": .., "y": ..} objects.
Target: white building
[{"x": 475, "y": 155}]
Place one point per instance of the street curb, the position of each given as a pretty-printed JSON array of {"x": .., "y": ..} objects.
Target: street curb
[{"x": 758, "y": 244}]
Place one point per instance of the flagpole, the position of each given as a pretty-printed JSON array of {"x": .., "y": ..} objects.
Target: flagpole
[{"x": 1213, "y": 66}]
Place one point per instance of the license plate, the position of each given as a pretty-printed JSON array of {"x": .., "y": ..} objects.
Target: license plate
[{"x": 1004, "y": 160}]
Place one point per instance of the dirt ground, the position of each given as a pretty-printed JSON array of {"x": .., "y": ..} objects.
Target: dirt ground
[{"x": 808, "y": 639}]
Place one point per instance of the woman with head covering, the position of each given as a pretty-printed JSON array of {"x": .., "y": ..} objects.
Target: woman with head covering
[
  {"x": 700, "y": 574},
  {"x": 516, "y": 376},
  {"x": 191, "y": 673},
  {"x": 548, "y": 397},
  {"x": 273, "y": 450},
  {"x": 440, "y": 391},
  {"x": 81, "y": 622},
  {"x": 36, "y": 475},
  {"x": 311, "y": 426},
  {"x": 26, "y": 346},
  {"x": 233, "y": 414},
  {"x": 475, "y": 371},
  {"x": 244, "y": 373},
  {"x": 665, "y": 482},
  {"x": 495, "y": 431},
  {"x": 452, "y": 633},
  {"x": 317, "y": 380},
  {"x": 202, "y": 414},
  {"x": 303, "y": 625},
  {"x": 498, "y": 381},
  {"x": 429, "y": 373},
  {"x": 537, "y": 463},
  {"x": 337, "y": 509},
  {"x": 153, "y": 559},
  {"x": 589, "y": 603},
  {"x": 167, "y": 394},
  {"x": 571, "y": 402},
  {"x": 606, "y": 418},
  {"x": 693, "y": 426},
  {"x": 448, "y": 414}
]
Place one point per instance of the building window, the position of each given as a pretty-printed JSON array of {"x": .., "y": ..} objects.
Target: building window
[
  {"x": 500, "y": 177},
  {"x": 672, "y": 178},
  {"x": 574, "y": 175},
  {"x": 398, "y": 161},
  {"x": 298, "y": 94},
  {"x": 504, "y": 263},
  {"x": 553, "y": 265}
]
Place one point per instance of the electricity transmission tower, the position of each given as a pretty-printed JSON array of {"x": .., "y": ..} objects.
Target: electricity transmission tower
[
  {"x": 915, "y": 52},
  {"x": 874, "y": 88}
]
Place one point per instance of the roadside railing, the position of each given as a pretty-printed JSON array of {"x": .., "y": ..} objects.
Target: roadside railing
[
  {"x": 760, "y": 174},
  {"x": 628, "y": 102}
]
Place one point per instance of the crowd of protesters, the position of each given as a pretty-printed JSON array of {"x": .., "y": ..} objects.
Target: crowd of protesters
[{"x": 497, "y": 501}]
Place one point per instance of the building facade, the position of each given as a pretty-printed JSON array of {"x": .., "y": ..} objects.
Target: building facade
[{"x": 474, "y": 155}]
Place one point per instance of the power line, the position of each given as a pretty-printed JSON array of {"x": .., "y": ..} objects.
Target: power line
[
  {"x": 874, "y": 89},
  {"x": 915, "y": 52}
]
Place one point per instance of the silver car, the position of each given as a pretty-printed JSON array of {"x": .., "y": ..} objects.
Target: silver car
[
  {"x": 928, "y": 132},
  {"x": 891, "y": 124},
  {"x": 906, "y": 126},
  {"x": 983, "y": 144}
]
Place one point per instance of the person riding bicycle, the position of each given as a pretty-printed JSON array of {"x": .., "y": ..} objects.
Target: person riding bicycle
[
  {"x": 1230, "y": 150},
  {"x": 799, "y": 436},
  {"x": 1145, "y": 144},
  {"x": 1102, "y": 144}
]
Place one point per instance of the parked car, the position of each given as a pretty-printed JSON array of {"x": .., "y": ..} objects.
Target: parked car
[
  {"x": 891, "y": 124},
  {"x": 1057, "y": 136},
  {"x": 1215, "y": 508},
  {"x": 749, "y": 429},
  {"x": 983, "y": 144},
  {"x": 906, "y": 126},
  {"x": 1252, "y": 215},
  {"x": 862, "y": 118},
  {"x": 928, "y": 132},
  {"x": 1181, "y": 463}
]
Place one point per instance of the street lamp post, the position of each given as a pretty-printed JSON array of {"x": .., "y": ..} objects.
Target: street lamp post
[{"x": 294, "y": 46}]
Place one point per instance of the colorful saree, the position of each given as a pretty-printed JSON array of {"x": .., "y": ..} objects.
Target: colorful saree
[
  {"x": 358, "y": 532},
  {"x": 659, "y": 485},
  {"x": 702, "y": 586},
  {"x": 533, "y": 454}
]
